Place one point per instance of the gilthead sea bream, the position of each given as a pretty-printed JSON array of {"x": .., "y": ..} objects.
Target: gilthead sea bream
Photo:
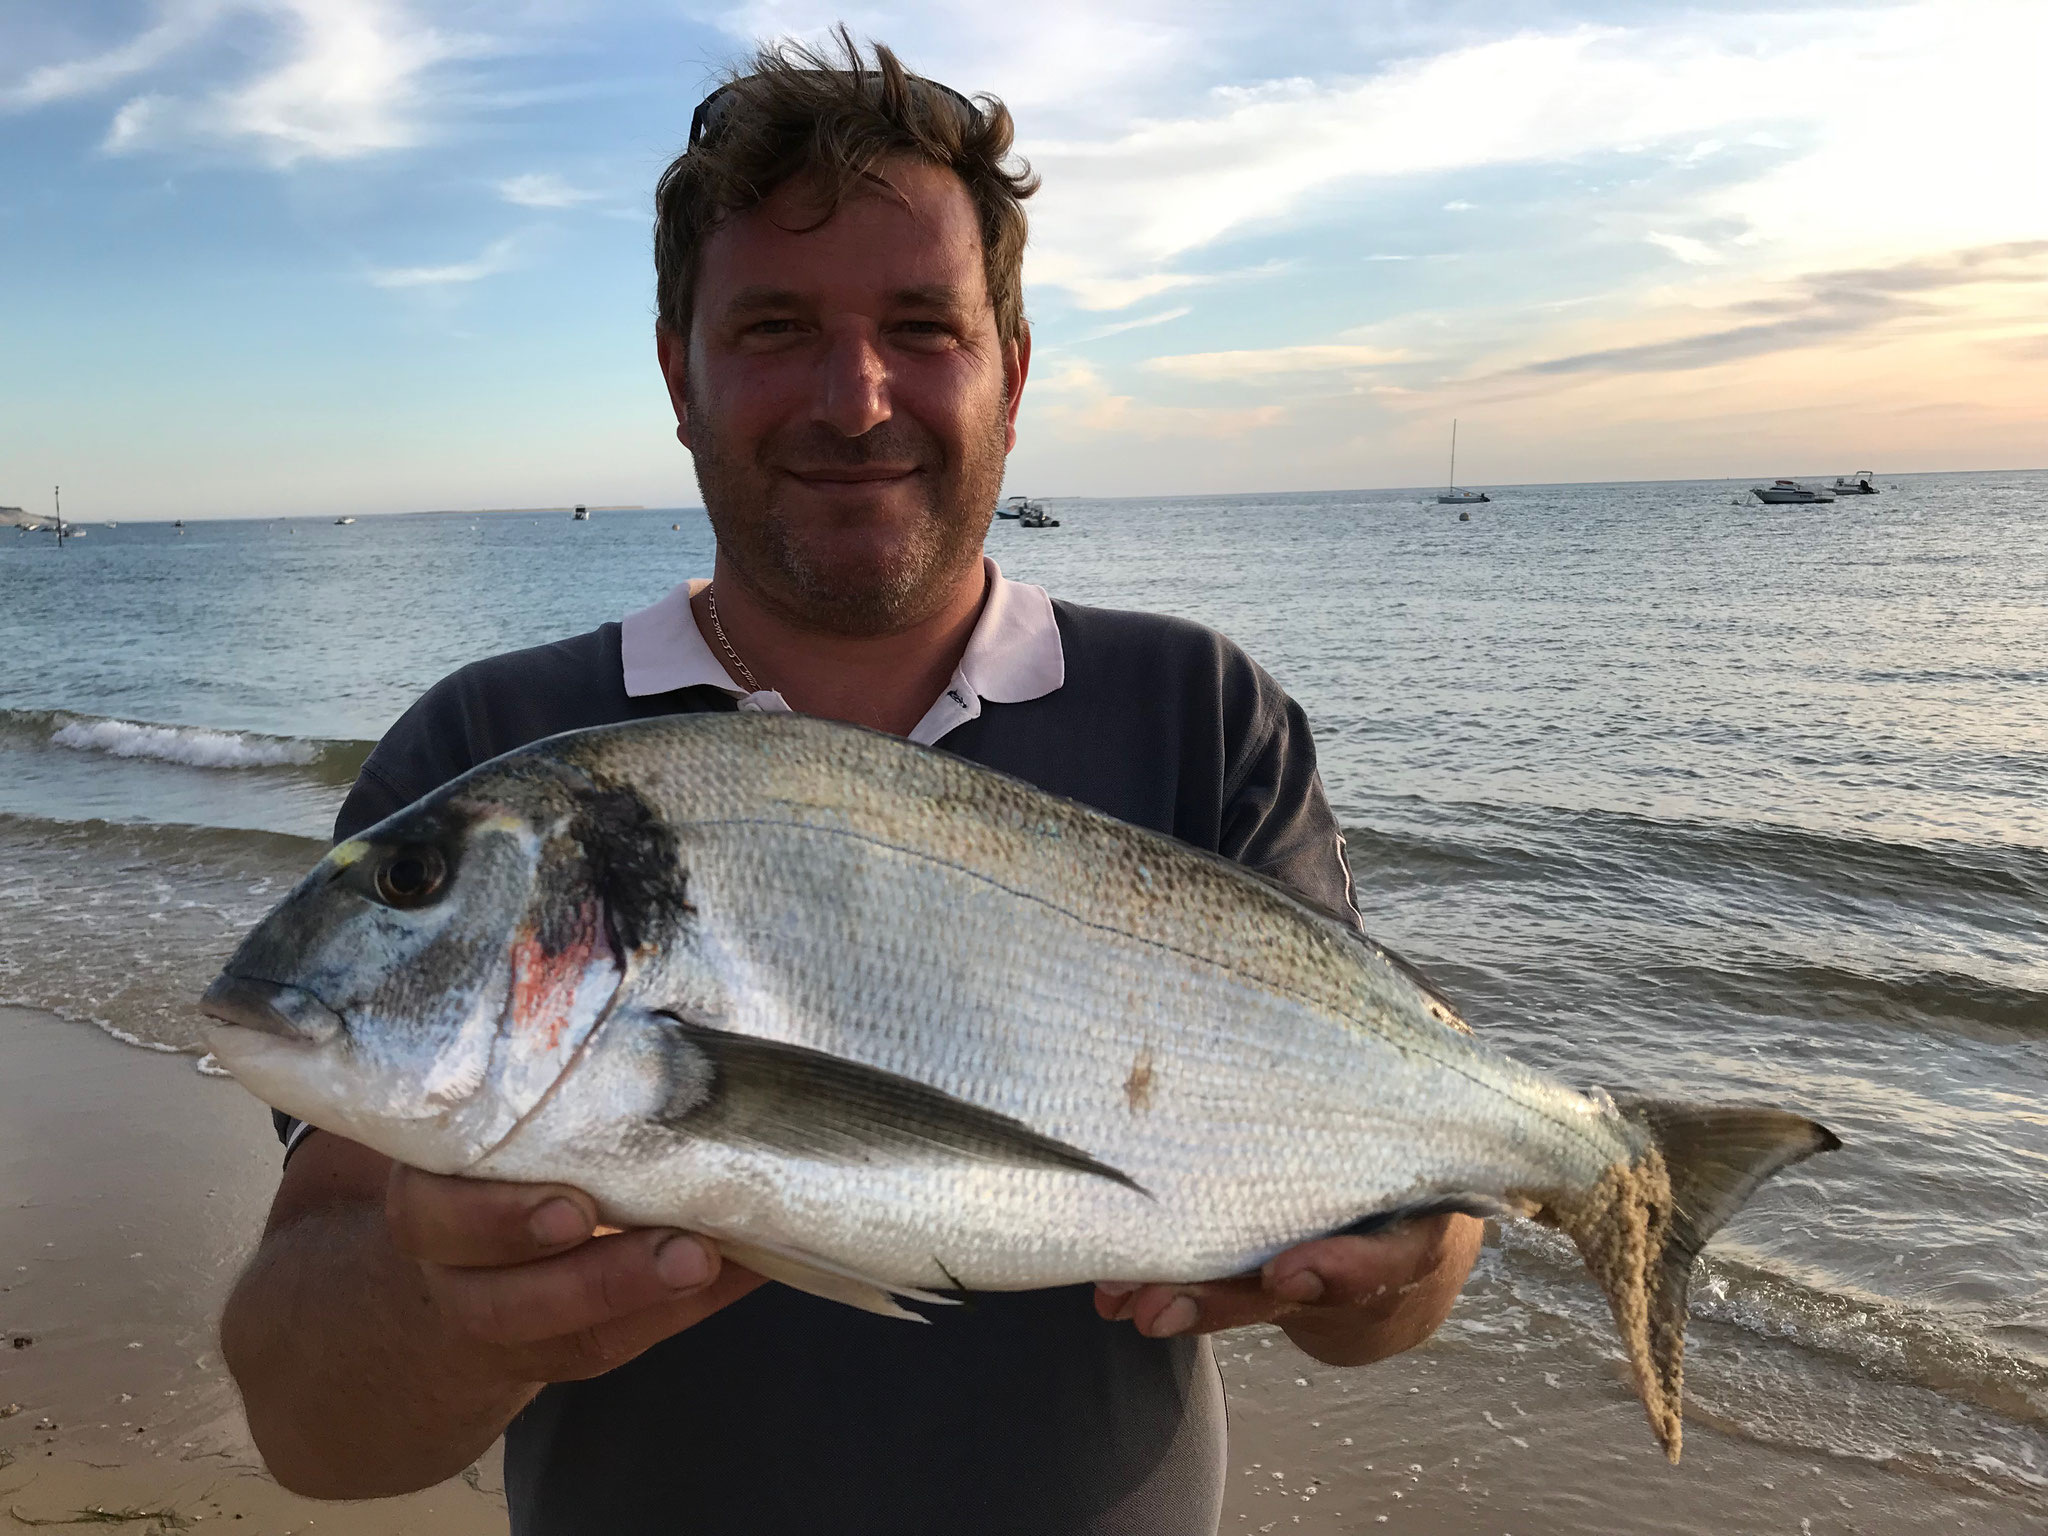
[{"x": 883, "y": 1022}]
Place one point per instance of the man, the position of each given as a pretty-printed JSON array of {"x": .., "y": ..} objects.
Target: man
[{"x": 841, "y": 327}]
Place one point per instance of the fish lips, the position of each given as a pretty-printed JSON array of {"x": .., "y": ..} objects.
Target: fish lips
[{"x": 271, "y": 1008}]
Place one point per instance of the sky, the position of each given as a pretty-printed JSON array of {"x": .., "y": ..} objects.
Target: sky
[{"x": 280, "y": 257}]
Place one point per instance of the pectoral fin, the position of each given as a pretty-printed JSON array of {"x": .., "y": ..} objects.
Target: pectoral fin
[
  {"x": 806, "y": 1103},
  {"x": 821, "y": 1277}
]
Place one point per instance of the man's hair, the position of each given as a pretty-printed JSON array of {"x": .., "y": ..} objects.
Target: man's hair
[{"x": 795, "y": 113}]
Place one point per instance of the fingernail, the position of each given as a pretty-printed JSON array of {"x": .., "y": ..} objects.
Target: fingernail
[
  {"x": 559, "y": 1221},
  {"x": 683, "y": 1263},
  {"x": 1302, "y": 1285},
  {"x": 1179, "y": 1317},
  {"x": 1118, "y": 1287}
]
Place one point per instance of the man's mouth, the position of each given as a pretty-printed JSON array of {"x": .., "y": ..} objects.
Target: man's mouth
[{"x": 863, "y": 474}]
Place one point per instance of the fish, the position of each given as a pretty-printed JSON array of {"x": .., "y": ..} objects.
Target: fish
[{"x": 890, "y": 1026}]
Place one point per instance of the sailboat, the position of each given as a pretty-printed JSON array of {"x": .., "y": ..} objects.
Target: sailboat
[{"x": 1452, "y": 496}]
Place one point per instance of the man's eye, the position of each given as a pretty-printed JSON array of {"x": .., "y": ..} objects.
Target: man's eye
[{"x": 771, "y": 327}]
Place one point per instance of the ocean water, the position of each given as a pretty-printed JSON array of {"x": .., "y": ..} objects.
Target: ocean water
[{"x": 1673, "y": 792}]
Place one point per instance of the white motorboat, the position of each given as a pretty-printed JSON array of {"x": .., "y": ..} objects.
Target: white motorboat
[
  {"x": 1452, "y": 496},
  {"x": 1857, "y": 484},
  {"x": 339, "y": 522},
  {"x": 1026, "y": 513},
  {"x": 580, "y": 515},
  {"x": 1788, "y": 492}
]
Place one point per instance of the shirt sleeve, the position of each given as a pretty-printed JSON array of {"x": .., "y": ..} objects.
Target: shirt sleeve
[{"x": 1276, "y": 818}]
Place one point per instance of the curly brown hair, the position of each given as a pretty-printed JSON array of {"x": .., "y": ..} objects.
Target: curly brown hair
[{"x": 795, "y": 112}]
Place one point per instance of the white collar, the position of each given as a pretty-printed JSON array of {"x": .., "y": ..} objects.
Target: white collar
[{"x": 1014, "y": 654}]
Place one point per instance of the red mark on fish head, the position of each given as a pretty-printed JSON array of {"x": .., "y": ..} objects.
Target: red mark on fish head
[{"x": 550, "y": 963}]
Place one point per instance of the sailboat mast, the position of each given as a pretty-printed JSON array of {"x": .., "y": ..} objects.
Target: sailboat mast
[{"x": 1453, "y": 485}]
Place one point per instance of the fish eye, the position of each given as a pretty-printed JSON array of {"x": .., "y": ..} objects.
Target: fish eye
[{"x": 411, "y": 876}]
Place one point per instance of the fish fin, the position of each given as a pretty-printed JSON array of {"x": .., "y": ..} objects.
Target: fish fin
[
  {"x": 1642, "y": 1224},
  {"x": 822, "y": 1277},
  {"x": 1468, "y": 1203},
  {"x": 810, "y": 1103}
]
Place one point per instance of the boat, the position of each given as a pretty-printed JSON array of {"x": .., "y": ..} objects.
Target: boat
[
  {"x": 1452, "y": 496},
  {"x": 1026, "y": 513},
  {"x": 1857, "y": 484},
  {"x": 580, "y": 515},
  {"x": 343, "y": 522},
  {"x": 1783, "y": 492}
]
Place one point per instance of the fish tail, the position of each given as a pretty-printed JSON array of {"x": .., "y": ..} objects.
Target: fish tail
[{"x": 1642, "y": 1224}]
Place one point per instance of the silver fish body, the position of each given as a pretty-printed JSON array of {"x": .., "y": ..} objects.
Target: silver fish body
[{"x": 880, "y": 1020}]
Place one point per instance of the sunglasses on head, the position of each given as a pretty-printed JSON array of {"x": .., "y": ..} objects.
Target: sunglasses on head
[{"x": 712, "y": 110}]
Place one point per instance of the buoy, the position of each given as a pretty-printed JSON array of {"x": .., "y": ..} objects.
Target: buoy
[
  {"x": 675, "y": 527},
  {"x": 1464, "y": 517}
]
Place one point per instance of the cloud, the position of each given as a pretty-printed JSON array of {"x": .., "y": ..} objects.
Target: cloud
[
  {"x": 543, "y": 189},
  {"x": 181, "y": 25},
  {"x": 334, "y": 79},
  {"x": 1272, "y": 362},
  {"x": 1892, "y": 156},
  {"x": 1133, "y": 325},
  {"x": 1459, "y": 205},
  {"x": 1693, "y": 252},
  {"x": 1824, "y": 306},
  {"x": 495, "y": 258},
  {"x": 1078, "y": 402}
]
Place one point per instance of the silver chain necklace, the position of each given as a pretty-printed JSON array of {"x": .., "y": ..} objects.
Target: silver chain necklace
[{"x": 753, "y": 683}]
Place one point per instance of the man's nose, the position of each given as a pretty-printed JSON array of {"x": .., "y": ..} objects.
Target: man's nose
[{"x": 853, "y": 385}]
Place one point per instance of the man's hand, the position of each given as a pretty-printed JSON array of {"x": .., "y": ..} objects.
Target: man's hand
[
  {"x": 524, "y": 1267},
  {"x": 1344, "y": 1300},
  {"x": 393, "y": 1322}
]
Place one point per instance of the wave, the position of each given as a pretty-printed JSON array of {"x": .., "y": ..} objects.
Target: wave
[
  {"x": 1803, "y": 1360},
  {"x": 175, "y": 846},
  {"x": 122, "y": 925},
  {"x": 1423, "y": 841},
  {"x": 1920, "y": 999},
  {"x": 1877, "y": 1335},
  {"x": 191, "y": 746}
]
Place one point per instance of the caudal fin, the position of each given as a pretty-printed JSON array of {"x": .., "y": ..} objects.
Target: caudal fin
[{"x": 1641, "y": 1226}]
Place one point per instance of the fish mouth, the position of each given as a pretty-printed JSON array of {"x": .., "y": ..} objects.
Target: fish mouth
[{"x": 270, "y": 1008}]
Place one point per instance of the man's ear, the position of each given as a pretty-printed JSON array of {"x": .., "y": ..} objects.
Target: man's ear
[
  {"x": 1016, "y": 367},
  {"x": 672, "y": 352}
]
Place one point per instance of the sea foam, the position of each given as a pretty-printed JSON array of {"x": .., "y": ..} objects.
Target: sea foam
[{"x": 193, "y": 746}]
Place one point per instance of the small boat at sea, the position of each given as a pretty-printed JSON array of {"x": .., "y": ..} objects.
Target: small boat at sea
[
  {"x": 1857, "y": 484},
  {"x": 1026, "y": 513},
  {"x": 1790, "y": 492},
  {"x": 343, "y": 522},
  {"x": 580, "y": 515},
  {"x": 1452, "y": 496}
]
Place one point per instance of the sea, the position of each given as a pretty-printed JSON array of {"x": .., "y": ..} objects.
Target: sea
[{"x": 1674, "y": 792}]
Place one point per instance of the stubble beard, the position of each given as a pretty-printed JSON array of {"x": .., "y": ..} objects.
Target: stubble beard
[{"x": 804, "y": 583}]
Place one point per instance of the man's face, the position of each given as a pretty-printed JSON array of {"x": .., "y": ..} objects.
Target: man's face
[{"x": 847, "y": 399}]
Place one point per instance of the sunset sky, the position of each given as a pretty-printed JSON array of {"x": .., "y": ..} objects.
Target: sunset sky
[{"x": 313, "y": 256}]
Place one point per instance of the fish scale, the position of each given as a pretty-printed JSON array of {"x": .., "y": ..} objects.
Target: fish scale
[{"x": 879, "y": 1020}]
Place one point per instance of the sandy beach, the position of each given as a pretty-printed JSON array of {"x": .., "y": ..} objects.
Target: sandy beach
[
  {"x": 134, "y": 1186},
  {"x": 131, "y": 1188}
]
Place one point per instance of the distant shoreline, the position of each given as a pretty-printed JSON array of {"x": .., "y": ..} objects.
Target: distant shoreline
[
  {"x": 1820, "y": 476},
  {"x": 590, "y": 506}
]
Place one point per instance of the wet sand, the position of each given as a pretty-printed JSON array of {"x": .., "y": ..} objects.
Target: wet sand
[{"x": 131, "y": 1188}]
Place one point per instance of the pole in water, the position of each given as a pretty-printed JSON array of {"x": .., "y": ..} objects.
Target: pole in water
[{"x": 57, "y": 500}]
